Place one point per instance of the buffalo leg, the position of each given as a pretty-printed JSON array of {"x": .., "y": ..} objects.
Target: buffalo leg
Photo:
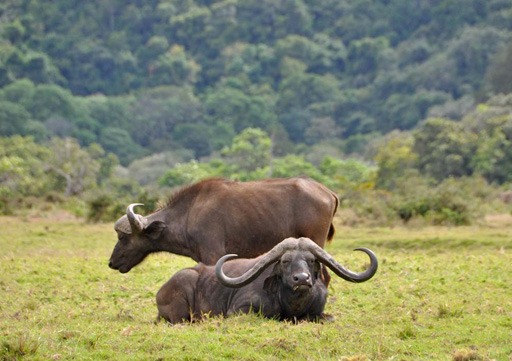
[{"x": 175, "y": 299}]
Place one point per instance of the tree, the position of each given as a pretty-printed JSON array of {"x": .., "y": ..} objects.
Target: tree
[
  {"x": 119, "y": 142},
  {"x": 444, "y": 149},
  {"x": 274, "y": 19},
  {"x": 240, "y": 107},
  {"x": 39, "y": 68},
  {"x": 157, "y": 111},
  {"x": 249, "y": 152},
  {"x": 14, "y": 31},
  {"x": 295, "y": 165},
  {"x": 193, "y": 171},
  {"x": 173, "y": 68},
  {"x": 394, "y": 158},
  {"x": 346, "y": 174},
  {"x": 321, "y": 54},
  {"x": 401, "y": 113},
  {"x": 20, "y": 92},
  {"x": 196, "y": 137},
  {"x": 14, "y": 119},
  {"x": 75, "y": 165},
  {"x": 255, "y": 61},
  {"x": 365, "y": 56},
  {"x": 493, "y": 157},
  {"x": 321, "y": 129},
  {"x": 189, "y": 26},
  {"x": 50, "y": 100},
  {"x": 491, "y": 123},
  {"x": 472, "y": 52},
  {"x": 302, "y": 90},
  {"x": 154, "y": 47},
  {"x": 148, "y": 170},
  {"x": 499, "y": 77},
  {"x": 22, "y": 171},
  {"x": 108, "y": 111}
]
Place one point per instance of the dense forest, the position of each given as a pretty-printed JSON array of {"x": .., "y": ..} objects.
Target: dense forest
[{"x": 402, "y": 107}]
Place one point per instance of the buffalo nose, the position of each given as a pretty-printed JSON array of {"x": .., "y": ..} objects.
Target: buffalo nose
[{"x": 301, "y": 278}]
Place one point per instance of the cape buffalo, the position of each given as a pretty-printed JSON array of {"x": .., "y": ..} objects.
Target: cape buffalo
[
  {"x": 211, "y": 218},
  {"x": 290, "y": 290}
]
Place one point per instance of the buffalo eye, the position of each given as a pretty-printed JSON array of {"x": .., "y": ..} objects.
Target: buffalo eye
[
  {"x": 123, "y": 238},
  {"x": 310, "y": 260}
]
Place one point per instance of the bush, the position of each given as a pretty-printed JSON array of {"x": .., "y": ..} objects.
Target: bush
[
  {"x": 100, "y": 208},
  {"x": 109, "y": 206},
  {"x": 366, "y": 207},
  {"x": 455, "y": 201}
]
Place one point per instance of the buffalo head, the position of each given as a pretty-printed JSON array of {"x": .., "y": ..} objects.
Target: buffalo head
[
  {"x": 297, "y": 265},
  {"x": 137, "y": 237}
]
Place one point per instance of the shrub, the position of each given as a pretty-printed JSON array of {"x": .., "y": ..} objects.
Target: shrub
[{"x": 99, "y": 208}]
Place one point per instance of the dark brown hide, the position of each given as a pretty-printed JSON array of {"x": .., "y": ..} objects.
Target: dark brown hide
[{"x": 214, "y": 217}]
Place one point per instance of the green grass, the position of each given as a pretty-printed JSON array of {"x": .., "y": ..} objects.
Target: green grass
[{"x": 439, "y": 294}]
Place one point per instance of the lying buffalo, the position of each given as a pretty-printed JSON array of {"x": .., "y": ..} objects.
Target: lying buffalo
[
  {"x": 211, "y": 218},
  {"x": 290, "y": 290}
]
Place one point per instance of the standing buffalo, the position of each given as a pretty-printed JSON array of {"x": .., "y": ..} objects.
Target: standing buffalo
[
  {"x": 211, "y": 218},
  {"x": 290, "y": 290}
]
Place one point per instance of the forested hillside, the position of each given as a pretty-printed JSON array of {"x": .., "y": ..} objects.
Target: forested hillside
[{"x": 350, "y": 92}]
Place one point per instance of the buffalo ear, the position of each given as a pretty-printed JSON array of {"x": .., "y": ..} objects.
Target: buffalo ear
[
  {"x": 155, "y": 229},
  {"x": 318, "y": 269},
  {"x": 271, "y": 283},
  {"x": 323, "y": 275}
]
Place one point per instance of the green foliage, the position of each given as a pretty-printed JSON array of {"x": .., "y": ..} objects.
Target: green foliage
[
  {"x": 28, "y": 169},
  {"x": 14, "y": 119},
  {"x": 193, "y": 171},
  {"x": 22, "y": 170},
  {"x": 119, "y": 141},
  {"x": 193, "y": 74},
  {"x": 394, "y": 158},
  {"x": 295, "y": 165},
  {"x": 347, "y": 174},
  {"x": 155, "y": 113},
  {"x": 235, "y": 105},
  {"x": 249, "y": 152},
  {"x": 173, "y": 68},
  {"x": 21, "y": 91},
  {"x": 444, "y": 149},
  {"x": 110, "y": 203},
  {"x": 393, "y": 82},
  {"x": 498, "y": 78},
  {"x": 365, "y": 56},
  {"x": 77, "y": 169},
  {"x": 146, "y": 171}
]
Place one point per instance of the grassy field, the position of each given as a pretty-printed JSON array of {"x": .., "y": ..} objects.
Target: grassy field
[{"x": 439, "y": 294}]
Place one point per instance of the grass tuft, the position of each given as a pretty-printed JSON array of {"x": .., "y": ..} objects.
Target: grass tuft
[
  {"x": 20, "y": 346},
  {"x": 407, "y": 333},
  {"x": 444, "y": 311},
  {"x": 468, "y": 355}
]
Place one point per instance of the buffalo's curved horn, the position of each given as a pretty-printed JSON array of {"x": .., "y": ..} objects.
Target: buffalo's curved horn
[
  {"x": 137, "y": 222},
  {"x": 341, "y": 271},
  {"x": 266, "y": 260}
]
